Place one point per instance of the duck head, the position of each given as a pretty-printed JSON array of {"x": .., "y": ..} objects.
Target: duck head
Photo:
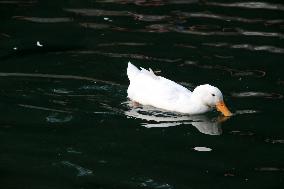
[{"x": 212, "y": 97}]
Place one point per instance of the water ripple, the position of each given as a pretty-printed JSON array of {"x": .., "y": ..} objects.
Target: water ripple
[
  {"x": 43, "y": 108},
  {"x": 203, "y": 30},
  {"x": 271, "y": 49},
  {"x": 151, "y": 183},
  {"x": 157, "y": 28},
  {"x": 202, "y": 149},
  {"x": 226, "y": 18},
  {"x": 150, "y": 18},
  {"x": 149, "y": 3},
  {"x": 98, "y": 12},
  {"x": 269, "y": 169},
  {"x": 121, "y": 55},
  {"x": 43, "y": 20},
  {"x": 81, "y": 170},
  {"x": 104, "y": 13},
  {"x": 240, "y": 112},
  {"x": 61, "y": 91},
  {"x": 18, "y": 2},
  {"x": 92, "y": 25},
  {"x": 124, "y": 44},
  {"x": 242, "y": 133},
  {"x": 157, "y": 118},
  {"x": 72, "y": 151},
  {"x": 258, "y": 33},
  {"x": 257, "y": 94},
  {"x": 249, "y": 5},
  {"x": 5, "y": 35},
  {"x": 275, "y": 141},
  {"x": 233, "y": 72},
  {"x": 185, "y": 46},
  {"x": 54, "y": 76},
  {"x": 58, "y": 118},
  {"x": 236, "y": 32}
]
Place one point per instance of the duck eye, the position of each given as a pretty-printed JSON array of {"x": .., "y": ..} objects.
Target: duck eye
[{"x": 213, "y": 94}]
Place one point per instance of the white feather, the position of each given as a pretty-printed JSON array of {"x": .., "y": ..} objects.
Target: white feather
[{"x": 148, "y": 89}]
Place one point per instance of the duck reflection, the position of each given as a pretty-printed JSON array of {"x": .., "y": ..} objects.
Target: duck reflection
[{"x": 155, "y": 118}]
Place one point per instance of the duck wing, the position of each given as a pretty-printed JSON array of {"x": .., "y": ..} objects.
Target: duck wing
[{"x": 149, "y": 89}]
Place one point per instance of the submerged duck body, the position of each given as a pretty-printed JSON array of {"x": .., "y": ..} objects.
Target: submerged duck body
[{"x": 149, "y": 89}]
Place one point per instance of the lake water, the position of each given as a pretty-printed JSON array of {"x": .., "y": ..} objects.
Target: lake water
[{"x": 65, "y": 118}]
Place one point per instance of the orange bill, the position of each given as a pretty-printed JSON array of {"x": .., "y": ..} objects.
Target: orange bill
[{"x": 221, "y": 107}]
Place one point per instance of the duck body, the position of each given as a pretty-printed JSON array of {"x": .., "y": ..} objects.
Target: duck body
[{"x": 148, "y": 89}]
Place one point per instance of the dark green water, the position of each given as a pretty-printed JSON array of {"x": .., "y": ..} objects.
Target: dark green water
[{"x": 65, "y": 120}]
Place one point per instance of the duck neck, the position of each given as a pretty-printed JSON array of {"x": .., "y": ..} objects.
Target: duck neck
[{"x": 196, "y": 105}]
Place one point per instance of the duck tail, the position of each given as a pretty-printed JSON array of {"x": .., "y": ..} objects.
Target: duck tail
[{"x": 132, "y": 71}]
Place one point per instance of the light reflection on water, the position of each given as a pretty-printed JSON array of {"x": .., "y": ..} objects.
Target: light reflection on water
[
  {"x": 151, "y": 183},
  {"x": 81, "y": 170},
  {"x": 157, "y": 118}
]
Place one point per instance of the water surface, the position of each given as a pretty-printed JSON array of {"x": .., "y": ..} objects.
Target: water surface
[{"x": 65, "y": 118}]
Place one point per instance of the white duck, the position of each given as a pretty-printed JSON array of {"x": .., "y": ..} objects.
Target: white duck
[{"x": 148, "y": 89}]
